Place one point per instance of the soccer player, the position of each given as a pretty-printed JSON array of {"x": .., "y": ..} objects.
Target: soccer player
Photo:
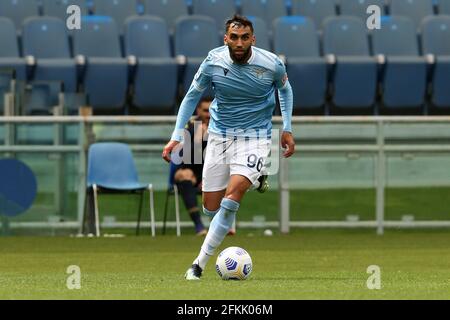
[
  {"x": 188, "y": 176},
  {"x": 244, "y": 79}
]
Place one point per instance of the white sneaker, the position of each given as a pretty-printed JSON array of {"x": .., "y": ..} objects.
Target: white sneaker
[{"x": 194, "y": 272}]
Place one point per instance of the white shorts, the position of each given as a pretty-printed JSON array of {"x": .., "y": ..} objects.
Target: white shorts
[{"x": 228, "y": 156}]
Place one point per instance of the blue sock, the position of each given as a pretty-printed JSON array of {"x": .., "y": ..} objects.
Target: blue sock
[
  {"x": 210, "y": 214},
  {"x": 218, "y": 229}
]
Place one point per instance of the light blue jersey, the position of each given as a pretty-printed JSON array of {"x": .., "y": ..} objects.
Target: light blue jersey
[{"x": 244, "y": 93}]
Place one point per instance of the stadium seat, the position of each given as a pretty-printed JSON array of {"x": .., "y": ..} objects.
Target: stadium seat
[
  {"x": 72, "y": 103},
  {"x": 416, "y": 10},
  {"x": 318, "y": 10},
  {"x": 105, "y": 71},
  {"x": 219, "y": 10},
  {"x": 405, "y": 72},
  {"x": 296, "y": 38},
  {"x": 46, "y": 39},
  {"x": 58, "y": 8},
  {"x": 443, "y": 7},
  {"x": 195, "y": 36},
  {"x": 119, "y": 10},
  {"x": 261, "y": 33},
  {"x": 354, "y": 78},
  {"x": 111, "y": 169},
  {"x": 18, "y": 10},
  {"x": 9, "y": 49},
  {"x": 436, "y": 41},
  {"x": 169, "y": 10},
  {"x": 154, "y": 63},
  {"x": 358, "y": 8},
  {"x": 6, "y": 76},
  {"x": 268, "y": 10},
  {"x": 39, "y": 98}
]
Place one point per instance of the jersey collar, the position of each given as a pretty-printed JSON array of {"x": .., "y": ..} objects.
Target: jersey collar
[{"x": 252, "y": 57}]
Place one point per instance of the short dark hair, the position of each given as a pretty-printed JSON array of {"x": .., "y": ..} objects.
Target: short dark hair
[
  {"x": 205, "y": 99},
  {"x": 239, "y": 21}
]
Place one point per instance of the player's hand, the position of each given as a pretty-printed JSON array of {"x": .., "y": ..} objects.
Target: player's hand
[
  {"x": 168, "y": 149},
  {"x": 288, "y": 143}
]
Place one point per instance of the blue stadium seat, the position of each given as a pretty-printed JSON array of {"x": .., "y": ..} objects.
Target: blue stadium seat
[
  {"x": 9, "y": 49},
  {"x": 169, "y": 10},
  {"x": 416, "y": 10},
  {"x": 6, "y": 76},
  {"x": 119, "y": 10},
  {"x": 355, "y": 75},
  {"x": 154, "y": 63},
  {"x": 46, "y": 39},
  {"x": 436, "y": 41},
  {"x": 106, "y": 71},
  {"x": 405, "y": 72},
  {"x": 40, "y": 97},
  {"x": 58, "y": 8},
  {"x": 18, "y": 10},
  {"x": 261, "y": 33},
  {"x": 268, "y": 10},
  {"x": 296, "y": 38},
  {"x": 195, "y": 36},
  {"x": 358, "y": 8},
  {"x": 111, "y": 169},
  {"x": 443, "y": 7},
  {"x": 318, "y": 10},
  {"x": 219, "y": 10}
]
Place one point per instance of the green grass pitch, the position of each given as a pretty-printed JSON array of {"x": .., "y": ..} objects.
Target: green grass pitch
[{"x": 306, "y": 264}]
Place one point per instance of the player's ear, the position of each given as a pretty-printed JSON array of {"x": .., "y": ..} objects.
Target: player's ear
[
  {"x": 225, "y": 39},
  {"x": 253, "y": 40}
]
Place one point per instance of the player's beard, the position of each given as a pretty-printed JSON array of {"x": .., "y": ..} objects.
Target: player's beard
[{"x": 240, "y": 59}]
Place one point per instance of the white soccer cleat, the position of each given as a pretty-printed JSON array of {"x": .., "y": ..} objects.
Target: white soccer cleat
[{"x": 193, "y": 273}]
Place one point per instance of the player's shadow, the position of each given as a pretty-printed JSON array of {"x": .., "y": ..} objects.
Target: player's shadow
[{"x": 303, "y": 278}]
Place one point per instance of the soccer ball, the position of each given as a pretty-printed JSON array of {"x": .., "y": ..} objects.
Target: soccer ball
[{"x": 234, "y": 263}]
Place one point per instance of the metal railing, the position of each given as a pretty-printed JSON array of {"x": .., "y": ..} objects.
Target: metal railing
[{"x": 377, "y": 147}]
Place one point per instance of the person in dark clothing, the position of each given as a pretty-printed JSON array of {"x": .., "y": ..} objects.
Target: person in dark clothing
[{"x": 189, "y": 176}]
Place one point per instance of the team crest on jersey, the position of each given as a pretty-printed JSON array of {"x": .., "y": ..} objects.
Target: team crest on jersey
[
  {"x": 259, "y": 72},
  {"x": 225, "y": 71}
]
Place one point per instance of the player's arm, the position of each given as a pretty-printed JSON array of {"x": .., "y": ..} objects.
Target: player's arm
[
  {"x": 199, "y": 85},
  {"x": 286, "y": 105}
]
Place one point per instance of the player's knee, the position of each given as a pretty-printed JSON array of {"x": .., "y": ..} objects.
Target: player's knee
[
  {"x": 237, "y": 197},
  {"x": 211, "y": 200},
  {"x": 237, "y": 188},
  {"x": 184, "y": 175},
  {"x": 210, "y": 206}
]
